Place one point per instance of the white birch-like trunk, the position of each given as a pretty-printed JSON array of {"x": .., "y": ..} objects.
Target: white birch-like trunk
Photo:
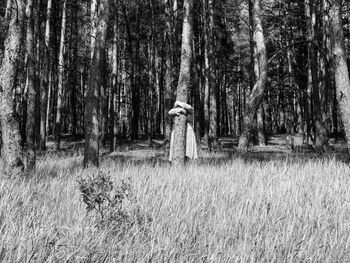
[{"x": 58, "y": 121}]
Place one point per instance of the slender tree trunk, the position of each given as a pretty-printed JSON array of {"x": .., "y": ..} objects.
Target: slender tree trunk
[
  {"x": 198, "y": 104},
  {"x": 45, "y": 87},
  {"x": 342, "y": 80},
  {"x": 321, "y": 133},
  {"x": 261, "y": 126},
  {"x": 135, "y": 96},
  {"x": 91, "y": 154},
  {"x": 240, "y": 105},
  {"x": 113, "y": 98},
  {"x": 168, "y": 92},
  {"x": 214, "y": 90},
  {"x": 252, "y": 63},
  {"x": 253, "y": 74},
  {"x": 73, "y": 71},
  {"x": 206, "y": 74},
  {"x": 48, "y": 100},
  {"x": 153, "y": 76},
  {"x": 184, "y": 84},
  {"x": 256, "y": 95},
  {"x": 10, "y": 133},
  {"x": 38, "y": 81},
  {"x": 94, "y": 21},
  {"x": 30, "y": 145},
  {"x": 103, "y": 99},
  {"x": 58, "y": 122},
  {"x": 136, "y": 93}
]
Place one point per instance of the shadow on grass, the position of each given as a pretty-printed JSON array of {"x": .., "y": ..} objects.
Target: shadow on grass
[
  {"x": 271, "y": 156},
  {"x": 63, "y": 165},
  {"x": 222, "y": 158},
  {"x": 126, "y": 159}
]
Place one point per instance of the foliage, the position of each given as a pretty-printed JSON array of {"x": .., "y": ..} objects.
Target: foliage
[{"x": 115, "y": 205}]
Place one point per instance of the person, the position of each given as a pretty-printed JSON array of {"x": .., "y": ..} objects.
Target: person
[{"x": 191, "y": 146}]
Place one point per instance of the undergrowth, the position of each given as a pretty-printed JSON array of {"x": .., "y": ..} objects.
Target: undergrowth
[{"x": 115, "y": 206}]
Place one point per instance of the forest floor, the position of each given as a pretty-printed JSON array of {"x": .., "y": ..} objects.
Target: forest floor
[
  {"x": 276, "y": 148},
  {"x": 269, "y": 205}
]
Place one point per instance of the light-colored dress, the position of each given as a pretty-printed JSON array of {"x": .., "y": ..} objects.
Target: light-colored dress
[{"x": 191, "y": 146}]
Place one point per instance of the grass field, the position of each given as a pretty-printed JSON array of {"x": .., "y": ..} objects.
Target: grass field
[{"x": 233, "y": 210}]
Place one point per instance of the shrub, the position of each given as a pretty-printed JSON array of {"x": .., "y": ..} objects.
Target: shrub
[{"x": 115, "y": 206}]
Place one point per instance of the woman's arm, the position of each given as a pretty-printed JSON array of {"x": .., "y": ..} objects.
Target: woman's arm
[
  {"x": 177, "y": 111},
  {"x": 183, "y": 105}
]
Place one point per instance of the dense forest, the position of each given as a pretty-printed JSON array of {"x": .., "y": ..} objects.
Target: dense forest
[{"x": 110, "y": 71}]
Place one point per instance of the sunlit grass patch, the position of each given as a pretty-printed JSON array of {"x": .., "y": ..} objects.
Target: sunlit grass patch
[{"x": 228, "y": 210}]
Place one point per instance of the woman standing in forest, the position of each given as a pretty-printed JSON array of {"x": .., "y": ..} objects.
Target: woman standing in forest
[{"x": 191, "y": 146}]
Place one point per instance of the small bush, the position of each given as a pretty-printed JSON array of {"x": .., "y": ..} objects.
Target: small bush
[{"x": 115, "y": 206}]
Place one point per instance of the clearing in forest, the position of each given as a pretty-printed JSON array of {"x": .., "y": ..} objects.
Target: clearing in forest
[{"x": 224, "y": 208}]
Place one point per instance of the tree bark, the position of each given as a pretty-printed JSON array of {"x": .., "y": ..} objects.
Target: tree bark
[
  {"x": 168, "y": 93},
  {"x": 46, "y": 85},
  {"x": 206, "y": 72},
  {"x": 8, "y": 10},
  {"x": 73, "y": 71},
  {"x": 30, "y": 145},
  {"x": 214, "y": 90},
  {"x": 10, "y": 133},
  {"x": 113, "y": 98},
  {"x": 58, "y": 122},
  {"x": 256, "y": 95},
  {"x": 135, "y": 96},
  {"x": 94, "y": 21},
  {"x": 4, "y": 25},
  {"x": 91, "y": 153},
  {"x": 342, "y": 80},
  {"x": 184, "y": 84},
  {"x": 320, "y": 131},
  {"x": 261, "y": 126}
]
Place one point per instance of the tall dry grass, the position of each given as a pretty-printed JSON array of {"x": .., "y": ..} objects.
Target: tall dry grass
[{"x": 233, "y": 211}]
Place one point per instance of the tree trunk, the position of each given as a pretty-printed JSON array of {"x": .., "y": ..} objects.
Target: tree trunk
[
  {"x": 58, "y": 121},
  {"x": 342, "y": 80},
  {"x": 261, "y": 126},
  {"x": 184, "y": 84},
  {"x": 73, "y": 71},
  {"x": 214, "y": 90},
  {"x": 94, "y": 21},
  {"x": 135, "y": 96},
  {"x": 91, "y": 154},
  {"x": 45, "y": 87},
  {"x": 168, "y": 93},
  {"x": 10, "y": 133},
  {"x": 252, "y": 62},
  {"x": 256, "y": 95},
  {"x": 320, "y": 131},
  {"x": 206, "y": 74},
  {"x": 38, "y": 81},
  {"x": 8, "y": 9},
  {"x": 30, "y": 127},
  {"x": 103, "y": 98},
  {"x": 114, "y": 88},
  {"x": 4, "y": 26}
]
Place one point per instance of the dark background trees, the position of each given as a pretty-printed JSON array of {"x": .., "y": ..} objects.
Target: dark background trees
[{"x": 138, "y": 69}]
